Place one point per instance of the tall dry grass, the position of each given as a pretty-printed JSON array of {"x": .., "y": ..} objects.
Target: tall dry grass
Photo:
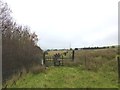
[{"x": 93, "y": 59}]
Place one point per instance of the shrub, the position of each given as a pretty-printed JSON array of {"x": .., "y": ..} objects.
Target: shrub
[{"x": 37, "y": 69}]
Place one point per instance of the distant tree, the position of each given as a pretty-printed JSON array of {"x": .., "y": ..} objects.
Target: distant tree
[
  {"x": 55, "y": 50},
  {"x": 76, "y": 48},
  {"x": 113, "y": 47},
  {"x": 48, "y": 49}
]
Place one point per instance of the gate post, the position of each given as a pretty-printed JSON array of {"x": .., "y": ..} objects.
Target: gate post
[
  {"x": 44, "y": 58},
  {"x": 118, "y": 59},
  {"x": 73, "y": 52},
  {"x": 62, "y": 60}
]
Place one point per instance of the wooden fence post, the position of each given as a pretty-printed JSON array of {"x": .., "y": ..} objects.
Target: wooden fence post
[
  {"x": 62, "y": 60},
  {"x": 85, "y": 61},
  {"x": 44, "y": 58},
  {"x": 118, "y": 59},
  {"x": 73, "y": 52}
]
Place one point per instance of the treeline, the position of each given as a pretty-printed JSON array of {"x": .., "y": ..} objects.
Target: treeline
[
  {"x": 58, "y": 49},
  {"x": 86, "y": 48},
  {"x": 19, "y": 46},
  {"x": 90, "y": 48}
]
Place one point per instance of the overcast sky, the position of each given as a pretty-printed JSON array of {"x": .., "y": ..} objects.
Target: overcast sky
[{"x": 65, "y": 23}]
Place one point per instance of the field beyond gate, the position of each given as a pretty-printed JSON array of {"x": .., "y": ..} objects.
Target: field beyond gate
[{"x": 64, "y": 56}]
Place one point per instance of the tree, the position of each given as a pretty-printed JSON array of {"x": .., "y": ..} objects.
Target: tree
[{"x": 19, "y": 46}]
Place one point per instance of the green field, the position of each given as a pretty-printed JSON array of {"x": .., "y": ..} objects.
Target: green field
[
  {"x": 68, "y": 77},
  {"x": 90, "y": 69}
]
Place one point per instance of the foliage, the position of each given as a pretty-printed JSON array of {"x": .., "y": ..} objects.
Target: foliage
[{"x": 19, "y": 46}]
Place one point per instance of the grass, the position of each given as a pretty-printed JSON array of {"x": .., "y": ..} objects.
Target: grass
[
  {"x": 94, "y": 59},
  {"x": 90, "y": 69},
  {"x": 68, "y": 77},
  {"x": 52, "y": 53}
]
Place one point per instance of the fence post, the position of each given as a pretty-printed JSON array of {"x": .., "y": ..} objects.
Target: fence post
[
  {"x": 73, "y": 52},
  {"x": 85, "y": 62},
  {"x": 62, "y": 60},
  {"x": 118, "y": 59},
  {"x": 44, "y": 58}
]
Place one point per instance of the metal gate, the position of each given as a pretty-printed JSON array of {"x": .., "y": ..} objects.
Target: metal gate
[{"x": 57, "y": 58}]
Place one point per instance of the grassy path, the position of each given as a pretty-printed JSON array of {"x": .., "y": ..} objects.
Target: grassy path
[{"x": 68, "y": 77}]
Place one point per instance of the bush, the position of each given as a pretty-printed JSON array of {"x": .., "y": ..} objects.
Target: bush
[
  {"x": 19, "y": 46},
  {"x": 37, "y": 69}
]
